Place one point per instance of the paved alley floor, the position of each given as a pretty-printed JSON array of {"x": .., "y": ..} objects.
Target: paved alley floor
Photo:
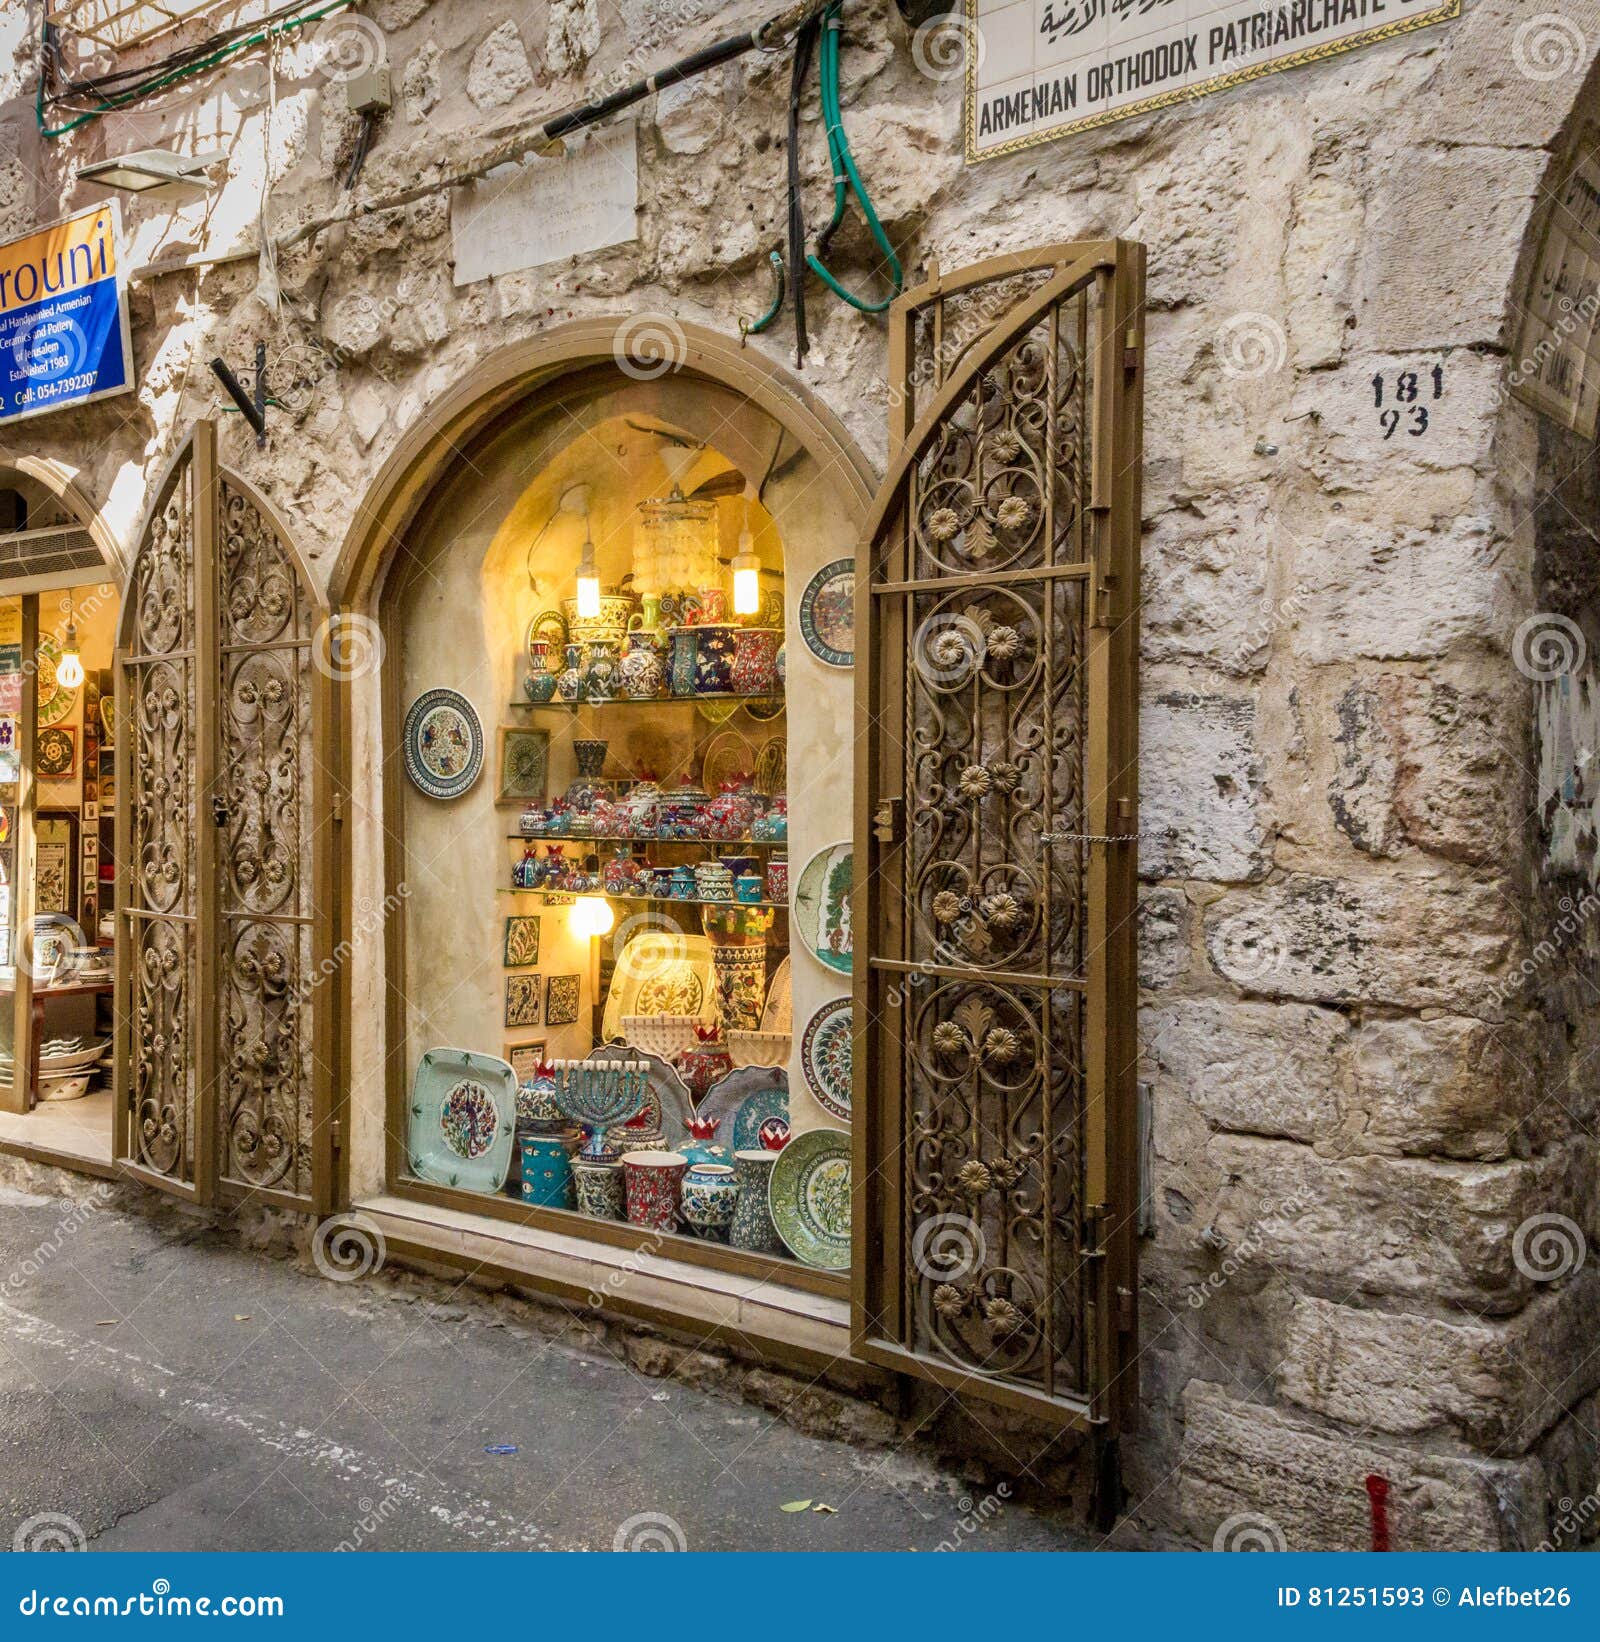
[{"x": 163, "y": 1390}]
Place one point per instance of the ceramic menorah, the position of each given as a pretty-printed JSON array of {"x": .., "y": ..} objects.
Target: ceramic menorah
[{"x": 599, "y": 1093}]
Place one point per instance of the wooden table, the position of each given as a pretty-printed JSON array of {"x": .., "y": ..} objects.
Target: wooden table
[{"x": 56, "y": 989}]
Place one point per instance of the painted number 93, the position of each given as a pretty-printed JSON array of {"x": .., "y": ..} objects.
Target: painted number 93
[{"x": 1402, "y": 398}]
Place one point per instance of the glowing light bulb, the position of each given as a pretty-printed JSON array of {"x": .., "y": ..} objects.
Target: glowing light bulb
[
  {"x": 746, "y": 577},
  {"x": 588, "y": 584},
  {"x": 591, "y": 915},
  {"x": 69, "y": 669}
]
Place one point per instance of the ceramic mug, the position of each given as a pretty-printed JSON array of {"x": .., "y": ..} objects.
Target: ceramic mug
[
  {"x": 652, "y": 1181},
  {"x": 600, "y": 1191},
  {"x": 710, "y": 1196},
  {"x": 547, "y": 1170}
]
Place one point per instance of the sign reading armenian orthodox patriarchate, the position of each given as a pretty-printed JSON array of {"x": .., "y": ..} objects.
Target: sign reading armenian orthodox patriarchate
[
  {"x": 63, "y": 322},
  {"x": 1038, "y": 69}
]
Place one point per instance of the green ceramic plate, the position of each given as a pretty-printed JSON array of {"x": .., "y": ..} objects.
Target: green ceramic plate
[{"x": 809, "y": 1195}]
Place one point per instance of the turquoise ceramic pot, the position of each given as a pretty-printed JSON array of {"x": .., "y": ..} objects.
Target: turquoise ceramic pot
[{"x": 547, "y": 1171}]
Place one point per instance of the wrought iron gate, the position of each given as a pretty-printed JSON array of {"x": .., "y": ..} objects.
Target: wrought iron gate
[
  {"x": 997, "y": 750},
  {"x": 224, "y": 780}
]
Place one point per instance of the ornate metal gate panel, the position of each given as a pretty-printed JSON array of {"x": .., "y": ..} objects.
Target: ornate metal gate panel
[
  {"x": 225, "y": 917},
  {"x": 997, "y": 623}
]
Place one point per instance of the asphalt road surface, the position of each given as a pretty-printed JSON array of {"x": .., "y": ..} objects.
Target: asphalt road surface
[{"x": 161, "y": 1389}]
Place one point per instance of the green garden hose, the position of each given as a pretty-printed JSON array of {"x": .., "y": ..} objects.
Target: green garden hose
[{"x": 754, "y": 327}]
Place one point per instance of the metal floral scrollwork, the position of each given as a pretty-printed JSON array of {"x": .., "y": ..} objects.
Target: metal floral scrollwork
[
  {"x": 994, "y": 742},
  {"x": 264, "y": 862}
]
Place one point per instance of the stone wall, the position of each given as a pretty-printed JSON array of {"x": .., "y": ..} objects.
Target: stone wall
[{"x": 1359, "y": 1110}]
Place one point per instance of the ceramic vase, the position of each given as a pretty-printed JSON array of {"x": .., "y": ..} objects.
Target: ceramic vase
[
  {"x": 709, "y": 1199},
  {"x": 703, "y": 1147},
  {"x": 569, "y": 682},
  {"x": 751, "y": 1227},
  {"x": 652, "y": 1181},
  {"x": 781, "y": 665},
  {"x": 600, "y": 676},
  {"x": 547, "y": 1170},
  {"x": 680, "y": 666},
  {"x": 755, "y": 660},
  {"x": 778, "y": 879},
  {"x": 591, "y": 757},
  {"x": 739, "y": 968},
  {"x": 643, "y": 670},
  {"x": 599, "y": 1189},
  {"x": 701, "y": 1066},
  {"x": 713, "y": 661}
]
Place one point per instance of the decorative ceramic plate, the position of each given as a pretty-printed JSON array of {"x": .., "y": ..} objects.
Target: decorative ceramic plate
[
  {"x": 550, "y": 625},
  {"x": 822, "y": 906},
  {"x": 809, "y": 1195},
  {"x": 55, "y": 753},
  {"x": 778, "y": 1013},
  {"x": 724, "y": 1098},
  {"x": 764, "y": 712},
  {"x": 108, "y": 718},
  {"x": 666, "y": 1095},
  {"x": 463, "y": 1120},
  {"x": 443, "y": 743},
  {"x": 826, "y": 1058},
  {"x": 55, "y": 701},
  {"x": 772, "y": 766},
  {"x": 766, "y": 1105},
  {"x": 828, "y": 614},
  {"x": 716, "y": 712},
  {"x": 660, "y": 972},
  {"x": 728, "y": 756}
]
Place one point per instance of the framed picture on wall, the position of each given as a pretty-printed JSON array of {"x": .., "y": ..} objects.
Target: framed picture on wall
[
  {"x": 523, "y": 999},
  {"x": 524, "y": 765},
  {"x": 55, "y": 753},
  {"x": 521, "y": 943},
  {"x": 55, "y": 851},
  {"x": 91, "y": 809},
  {"x": 524, "y": 1057},
  {"x": 561, "y": 1001}
]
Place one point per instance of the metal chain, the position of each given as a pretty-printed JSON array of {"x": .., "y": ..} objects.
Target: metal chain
[{"x": 1048, "y": 838}]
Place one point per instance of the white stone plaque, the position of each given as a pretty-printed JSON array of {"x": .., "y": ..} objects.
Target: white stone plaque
[
  {"x": 546, "y": 210},
  {"x": 1038, "y": 69},
  {"x": 1557, "y": 363}
]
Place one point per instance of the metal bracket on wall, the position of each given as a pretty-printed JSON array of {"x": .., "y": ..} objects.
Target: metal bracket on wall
[{"x": 252, "y": 405}]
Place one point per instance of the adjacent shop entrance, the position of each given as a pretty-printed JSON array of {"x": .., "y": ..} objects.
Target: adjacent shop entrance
[
  {"x": 223, "y": 848},
  {"x": 58, "y": 615}
]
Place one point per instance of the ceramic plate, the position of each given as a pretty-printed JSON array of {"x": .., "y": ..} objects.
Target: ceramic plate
[
  {"x": 55, "y": 752},
  {"x": 660, "y": 972},
  {"x": 108, "y": 719},
  {"x": 666, "y": 1096},
  {"x": 772, "y": 766},
  {"x": 809, "y": 1195},
  {"x": 462, "y": 1120},
  {"x": 828, "y": 614},
  {"x": 765, "y": 711},
  {"x": 443, "y": 744},
  {"x": 778, "y": 1015},
  {"x": 822, "y": 906},
  {"x": 727, "y": 1096},
  {"x": 55, "y": 701},
  {"x": 550, "y": 625},
  {"x": 825, "y": 1057},
  {"x": 728, "y": 756}
]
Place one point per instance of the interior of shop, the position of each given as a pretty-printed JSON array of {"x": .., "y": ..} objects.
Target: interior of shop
[
  {"x": 57, "y": 793},
  {"x": 610, "y": 661}
]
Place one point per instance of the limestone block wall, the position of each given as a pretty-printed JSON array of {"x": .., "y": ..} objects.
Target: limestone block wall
[{"x": 1355, "y": 1117}]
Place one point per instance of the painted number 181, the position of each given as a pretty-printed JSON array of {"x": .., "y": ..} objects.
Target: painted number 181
[{"x": 1401, "y": 403}]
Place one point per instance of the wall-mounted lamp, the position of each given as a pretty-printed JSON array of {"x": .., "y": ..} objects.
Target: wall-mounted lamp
[
  {"x": 69, "y": 668},
  {"x": 153, "y": 172},
  {"x": 591, "y": 915}
]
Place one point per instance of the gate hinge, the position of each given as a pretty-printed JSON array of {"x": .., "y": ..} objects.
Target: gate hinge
[
  {"x": 886, "y": 820},
  {"x": 1130, "y": 351},
  {"x": 336, "y": 1134},
  {"x": 338, "y": 806},
  {"x": 1124, "y": 1310}
]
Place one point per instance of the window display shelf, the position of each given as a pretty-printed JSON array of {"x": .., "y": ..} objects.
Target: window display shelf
[
  {"x": 566, "y": 895},
  {"x": 619, "y": 838},
  {"x": 649, "y": 701}
]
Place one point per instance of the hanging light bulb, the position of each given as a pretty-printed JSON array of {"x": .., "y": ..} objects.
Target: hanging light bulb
[
  {"x": 746, "y": 576},
  {"x": 69, "y": 668},
  {"x": 588, "y": 583},
  {"x": 591, "y": 915}
]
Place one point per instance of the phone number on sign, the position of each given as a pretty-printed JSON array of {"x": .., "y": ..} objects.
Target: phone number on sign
[{"x": 1417, "y": 1596}]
